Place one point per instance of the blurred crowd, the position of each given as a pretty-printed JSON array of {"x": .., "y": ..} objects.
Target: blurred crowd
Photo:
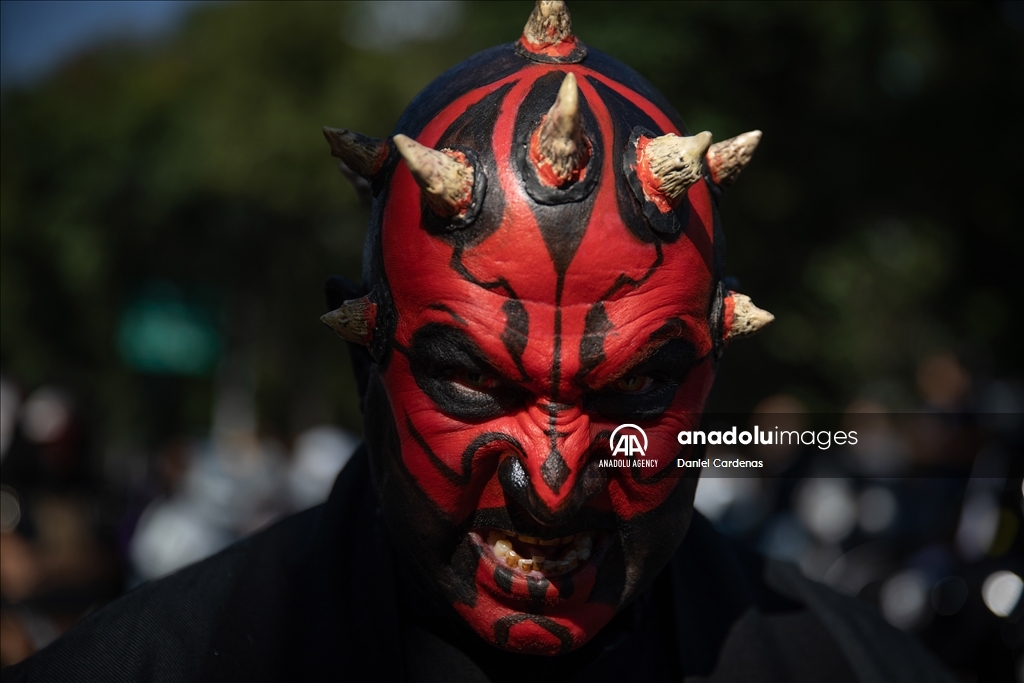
[
  {"x": 922, "y": 517},
  {"x": 137, "y": 205},
  {"x": 79, "y": 528}
]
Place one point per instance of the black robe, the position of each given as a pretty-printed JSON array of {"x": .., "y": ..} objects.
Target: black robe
[{"x": 314, "y": 598}]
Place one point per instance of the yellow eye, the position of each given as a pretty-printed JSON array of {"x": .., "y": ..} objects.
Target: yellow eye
[
  {"x": 633, "y": 384},
  {"x": 477, "y": 381}
]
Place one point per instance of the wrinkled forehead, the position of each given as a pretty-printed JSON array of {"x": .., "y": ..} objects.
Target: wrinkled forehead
[{"x": 586, "y": 255}]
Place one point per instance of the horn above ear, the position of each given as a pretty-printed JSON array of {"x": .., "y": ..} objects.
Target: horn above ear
[
  {"x": 362, "y": 154},
  {"x": 743, "y": 318},
  {"x": 361, "y": 157},
  {"x": 727, "y": 158},
  {"x": 560, "y": 150},
  {"x": 673, "y": 163},
  {"x": 354, "y": 320},
  {"x": 446, "y": 177}
]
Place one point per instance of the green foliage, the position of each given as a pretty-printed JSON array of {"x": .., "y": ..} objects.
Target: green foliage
[{"x": 868, "y": 222}]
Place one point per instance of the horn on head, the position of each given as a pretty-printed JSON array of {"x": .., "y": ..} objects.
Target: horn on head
[
  {"x": 446, "y": 177},
  {"x": 362, "y": 154},
  {"x": 354, "y": 320},
  {"x": 360, "y": 158},
  {"x": 727, "y": 158},
  {"x": 672, "y": 164},
  {"x": 559, "y": 148},
  {"x": 549, "y": 24},
  {"x": 742, "y": 317}
]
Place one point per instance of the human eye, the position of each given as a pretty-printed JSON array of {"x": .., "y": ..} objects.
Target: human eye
[
  {"x": 645, "y": 391},
  {"x": 633, "y": 384},
  {"x": 452, "y": 371},
  {"x": 474, "y": 380}
]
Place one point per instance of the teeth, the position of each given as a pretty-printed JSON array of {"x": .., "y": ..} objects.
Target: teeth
[{"x": 575, "y": 549}]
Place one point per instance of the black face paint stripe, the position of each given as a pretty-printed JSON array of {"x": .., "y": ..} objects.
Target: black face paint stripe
[
  {"x": 538, "y": 588},
  {"x": 448, "y": 309},
  {"x": 477, "y": 71},
  {"x": 596, "y": 327},
  {"x": 439, "y": 355},
  {"x": 624, "y": 280},
  {"x": 561, "y": 225},
  {"x": 466, "y": 461},
  {"x": 503, "y": 577},
  {"x": 459, "y": 267},
  {"x": 474, "y": 130},
  {"x": 503, "y": 626},
  {"x": 554, "y": 470},
  {"x": 516, "y": 333}
]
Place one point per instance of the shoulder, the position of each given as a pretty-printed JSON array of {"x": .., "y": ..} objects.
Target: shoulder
[
  {"x": 875, "y": 650},
  {"x": 159, "y": 631},
  {"x": 746, "y": 617}
]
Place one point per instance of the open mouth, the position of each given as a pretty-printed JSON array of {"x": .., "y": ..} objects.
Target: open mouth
[{"x": 535, "y": 556}]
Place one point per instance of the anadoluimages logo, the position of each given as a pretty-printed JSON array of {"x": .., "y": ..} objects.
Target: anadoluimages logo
[{"x": 628, "y": 443}]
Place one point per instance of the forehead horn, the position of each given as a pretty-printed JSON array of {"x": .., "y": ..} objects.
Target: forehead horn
[
  {"x": 452, "y": 185},
  {"x": 559, "y": 148}
]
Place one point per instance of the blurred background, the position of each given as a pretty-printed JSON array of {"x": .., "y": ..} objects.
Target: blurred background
[{"x": 170, "y": 210}]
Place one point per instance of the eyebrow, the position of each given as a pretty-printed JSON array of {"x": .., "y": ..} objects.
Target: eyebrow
[{"x": 450, "y": 338}]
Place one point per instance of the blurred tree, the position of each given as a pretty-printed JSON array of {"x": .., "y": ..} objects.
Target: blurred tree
[{"x": 868, "y": 222}]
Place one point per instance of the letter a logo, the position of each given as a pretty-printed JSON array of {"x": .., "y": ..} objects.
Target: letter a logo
[{"x": 628, "y": 444}]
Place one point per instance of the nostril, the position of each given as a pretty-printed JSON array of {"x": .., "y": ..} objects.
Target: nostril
[{"x": 521, "y": 493}]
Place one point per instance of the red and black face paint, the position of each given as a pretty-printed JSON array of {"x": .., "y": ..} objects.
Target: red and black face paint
[{"x": 530, "y": 293}]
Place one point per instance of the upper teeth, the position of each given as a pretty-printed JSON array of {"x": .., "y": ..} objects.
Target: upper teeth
[{"x": 542, "y": 556}]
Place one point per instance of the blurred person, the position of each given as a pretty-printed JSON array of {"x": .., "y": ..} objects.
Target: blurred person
[
  {"x": 318, "y": 455},
  {"x": 544, "y": 263},
  {"x": 57, "y": 561}
]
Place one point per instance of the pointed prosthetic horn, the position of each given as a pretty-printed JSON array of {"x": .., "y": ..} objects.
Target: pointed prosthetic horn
[
  {"x": 746, "y": 317},
  {"x": 446, "y": 178},
  {"x": 361, "y": 154},
  {"x": 727, "y": 158},
  {"x": 353, "y": 321},
  {"x": 674, "y": 162},
  {"x": 549, "y": 24},
  {"x": 562, "y": 148}
]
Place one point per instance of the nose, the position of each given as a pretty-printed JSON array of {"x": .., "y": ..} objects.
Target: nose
[{"x": 543, "y": 479}]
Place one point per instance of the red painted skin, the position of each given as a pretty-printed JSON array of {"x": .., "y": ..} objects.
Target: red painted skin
[{"x": 419, "y": 274}]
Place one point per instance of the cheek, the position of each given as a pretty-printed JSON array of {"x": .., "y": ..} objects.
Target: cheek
[
  {"x": 638, "y": 491},
  {"x": 451, "y": 461}
]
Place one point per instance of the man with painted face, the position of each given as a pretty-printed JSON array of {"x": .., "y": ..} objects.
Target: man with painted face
[{"x": 544, "y": 264}]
